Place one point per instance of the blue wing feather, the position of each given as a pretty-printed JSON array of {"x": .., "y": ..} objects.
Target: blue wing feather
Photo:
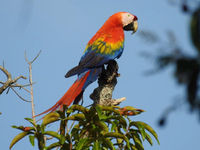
[{"x": 93, "y": 58}]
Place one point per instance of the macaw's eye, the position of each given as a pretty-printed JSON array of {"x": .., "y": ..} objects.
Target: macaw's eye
[{"x": 129, "y": 15}]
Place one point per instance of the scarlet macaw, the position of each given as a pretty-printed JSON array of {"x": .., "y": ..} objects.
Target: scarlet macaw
[{"x": 107, "y": 44}]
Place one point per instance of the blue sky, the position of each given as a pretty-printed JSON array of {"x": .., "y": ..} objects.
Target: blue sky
[{"x": 61, "y": 29}]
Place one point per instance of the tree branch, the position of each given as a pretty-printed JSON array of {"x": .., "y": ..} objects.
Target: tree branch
[
  {"x": 9, "y": 81},
  {"x": 31, "y": 83},
  {"x": 107, "y": 81}
]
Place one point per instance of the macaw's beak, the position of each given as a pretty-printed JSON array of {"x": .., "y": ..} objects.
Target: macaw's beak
[{"x": 133, "y": 26}]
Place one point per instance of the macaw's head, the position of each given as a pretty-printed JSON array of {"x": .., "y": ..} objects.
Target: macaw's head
[
  {"x": 129, "y": 22},
  {"x": 124, "y": 20}
]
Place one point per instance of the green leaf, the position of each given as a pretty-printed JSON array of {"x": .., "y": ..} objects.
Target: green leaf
[
  {"x": 32, "y": 139},
  {"x": 122, "y": 121},
  {"x": 54, "y": 145},
  {"x": 119, "y": 141},
  {"x": 118, "y": 135},
  {"x": 133, "y": 147},
  {"x": 140, "y": 127},
  {"x": 101, "y": 125},
  {"x": 148, "y": 138},
  {"x": 96, "y": 145},
  {"x": 130, "y": 111},
  {"x": 77, "y": 117},
  {"x": 150, "y": 129},
  {"x": 31, "y": 121},
  {"x": 136, "y": 133},
  {"x": 15, "y": 127},
  {"x": 77, "y": 108},
  {"x": 114, "y": 125},
  {"x": 102, "y": 116},
  {"x": 17, "y": 138},
  {"x": 107, "y": 142},
  {"x": 50, "y": 118},
  {"x": 142, "y": 131},
  {"x": 110, "y": 108},
  {"x": 82, "y": 143},
  {"x": 99, "y": 111},
  {"x": 138, "y": 142},
  {"x": 53, "y": 134},
  {"x": 18, "y": 127},
  {"x": 62, "y": 139},
  {"x": 22, "y": 128}
]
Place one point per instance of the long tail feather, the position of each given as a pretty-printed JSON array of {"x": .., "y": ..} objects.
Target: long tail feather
[{"x": 70, "y": 95}]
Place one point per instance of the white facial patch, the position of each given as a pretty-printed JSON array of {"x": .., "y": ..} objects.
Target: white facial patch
[{"x": 127, "y": 18}]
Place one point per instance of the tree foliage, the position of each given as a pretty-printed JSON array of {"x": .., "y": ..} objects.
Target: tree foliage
[{"x": 98, "y": 128}]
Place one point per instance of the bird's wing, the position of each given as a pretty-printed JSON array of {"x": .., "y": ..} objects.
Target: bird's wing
[{"x": 97, "y": 54}]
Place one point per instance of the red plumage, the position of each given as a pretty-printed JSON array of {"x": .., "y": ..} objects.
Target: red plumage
[{"x": 70, "y": 95}]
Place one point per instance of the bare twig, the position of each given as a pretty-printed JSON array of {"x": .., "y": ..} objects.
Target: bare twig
[
  {"x": 9, "y": 81},
  {"x": 31, "y": 82},
  {"x": 8, "y": 75},
  {"x": 15, "y": 80},
  {"x": 36, "y": 57},
  {"x": 22, "y": 86},
  {"x": 19, "y": 95},
  {"x": 14, "y": 85}
]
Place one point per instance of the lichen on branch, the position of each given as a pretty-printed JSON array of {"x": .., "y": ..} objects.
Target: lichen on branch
[{"x": 107, "y": 81}]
